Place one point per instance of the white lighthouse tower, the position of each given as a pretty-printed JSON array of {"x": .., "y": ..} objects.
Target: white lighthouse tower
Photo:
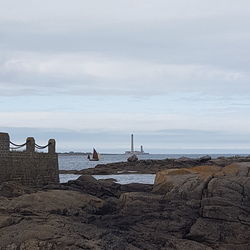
[
  {"x": 132, "y": 143},
  {"x": 132, "y": 149}
]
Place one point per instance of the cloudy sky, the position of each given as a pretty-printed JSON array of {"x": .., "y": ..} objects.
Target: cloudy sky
[{"x": 89, "y": 73}]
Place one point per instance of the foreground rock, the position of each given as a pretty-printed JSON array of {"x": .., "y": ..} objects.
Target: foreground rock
[
  {"x": 221, "y": 198},
  {"x": 200, "y": 207}
]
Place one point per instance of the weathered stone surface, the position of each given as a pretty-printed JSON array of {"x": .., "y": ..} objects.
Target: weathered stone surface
[
  {"x": 186, "y": 184},
  {"x": 89, "y": 185},
  {"x": 13, "y": 189},
  {"x": 132, "y": 158},
  {"x": 220, "y": 231},
  {"x": 205, "y": 158},
  {"x": 136, "y": 187},
  {"x": 236, "y": 169},
  {"x": 224, "y": 197},
  {"x": 30, "y": 169},
  {"x": 199, "y": 207}
]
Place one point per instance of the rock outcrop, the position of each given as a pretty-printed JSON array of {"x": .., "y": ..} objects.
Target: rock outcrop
[
  {"x": 154, "y": 166},
  {"x": 199, "y": 207},
  {"x": 220, "y": 197},
  {"x": 132, "y": 158}
]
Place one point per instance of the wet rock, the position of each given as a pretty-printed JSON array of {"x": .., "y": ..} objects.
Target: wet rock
[
  {"x": 132, "y": 158},
  {"x": 205, "y": 158},
  {"x": 100, "y": 188}
]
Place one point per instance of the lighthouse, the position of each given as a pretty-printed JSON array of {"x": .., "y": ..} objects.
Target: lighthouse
[
  {"x": 132, "y": 149},
  {"x": 132, "y": 143}
]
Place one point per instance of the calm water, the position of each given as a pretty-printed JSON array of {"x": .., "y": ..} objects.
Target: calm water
[
  {"x": 78, "y": 162},
  {"x": 122, "y": 179}
]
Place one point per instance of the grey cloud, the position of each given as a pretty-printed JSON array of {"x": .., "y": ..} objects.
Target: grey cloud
[
  {"x": 81, "y": 74},
  {"x": 160, "y": 33}
]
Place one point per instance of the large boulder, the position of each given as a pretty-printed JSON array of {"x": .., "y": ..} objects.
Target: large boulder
[
  {"x": 100, "y": 188},
  {"x": 223, "y": 197},
  {"x": 54, "y": 201},
  {"x": 132, "y": 158},
  {"x": 235, "y": 169},
  {"x": 53, "y": 219},
  {"x": 205, "y": 158},
  {"x": 184, "y": 183}
]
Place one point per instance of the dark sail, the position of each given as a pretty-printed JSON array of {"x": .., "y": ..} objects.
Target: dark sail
[{"x": 95, "y": 155}]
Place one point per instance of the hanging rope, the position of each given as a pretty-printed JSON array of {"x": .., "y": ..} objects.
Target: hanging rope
[
  {"x": 14, "y": 148},
  {"x": 41, "y": 147},
  {"x": 17, "y": 146}
]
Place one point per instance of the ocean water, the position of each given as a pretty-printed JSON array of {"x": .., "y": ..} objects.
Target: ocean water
[
  {"x": 122, "y": 179},
  {"x": 78, "y": 162}
]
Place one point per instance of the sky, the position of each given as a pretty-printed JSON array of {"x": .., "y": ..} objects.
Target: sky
[{"x": 175, "y": 73}]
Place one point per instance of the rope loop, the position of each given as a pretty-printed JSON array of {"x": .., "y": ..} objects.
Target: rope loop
[
  {"x": 41, "y": 147},
  {"x": 17, "y": 146}
]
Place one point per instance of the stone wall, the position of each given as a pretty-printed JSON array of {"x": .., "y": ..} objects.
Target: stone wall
[{"x": 29, "y": 168}]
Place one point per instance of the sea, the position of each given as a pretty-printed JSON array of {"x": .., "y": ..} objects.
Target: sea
[{"x": 79, "y": 162}]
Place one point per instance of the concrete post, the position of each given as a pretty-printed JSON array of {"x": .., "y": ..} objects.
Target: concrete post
[
  {"x": 4, "y": 142},
  {"x": 30, "y": 146},
  {"x": 52, "y": 146}
]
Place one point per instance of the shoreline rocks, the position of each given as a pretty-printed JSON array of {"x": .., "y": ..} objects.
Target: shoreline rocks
[
  {"x": 193, "y": 205},
  {"x": 154, "y": 166}
]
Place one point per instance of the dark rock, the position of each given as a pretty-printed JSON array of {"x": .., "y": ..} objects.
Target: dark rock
[
  {"x": 205, "y": 158},
  {"x": 102, "y": 189},
  {"x": 132, "y": 158},
  {"x": 136, "y": 187},
  {"x": 13, "y": 189},
  {"x": 197, "y": 207}
]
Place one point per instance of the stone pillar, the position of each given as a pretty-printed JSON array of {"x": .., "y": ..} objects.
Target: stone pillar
[
  {"x": 4, "y": 142},
  {"x": 30, "y": 146},
  {"x": 52, "y": 146}
]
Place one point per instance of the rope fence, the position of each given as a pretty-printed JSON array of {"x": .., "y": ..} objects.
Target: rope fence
[
  {"x": 41, "y": 147},
  {"x": 31, "y": 146},
  {"x": 18, "y": 146}
]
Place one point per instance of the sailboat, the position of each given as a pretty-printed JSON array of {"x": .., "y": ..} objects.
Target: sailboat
[{"x": 95, "y": 156}]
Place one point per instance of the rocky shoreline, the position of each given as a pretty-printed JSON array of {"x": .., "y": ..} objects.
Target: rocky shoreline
[
  {"x": 154, "y": 166},
  {"x": 194, "y": 204}
]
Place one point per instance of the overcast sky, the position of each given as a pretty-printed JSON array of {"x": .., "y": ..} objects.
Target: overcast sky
[{"x": 90, "y": 73}]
